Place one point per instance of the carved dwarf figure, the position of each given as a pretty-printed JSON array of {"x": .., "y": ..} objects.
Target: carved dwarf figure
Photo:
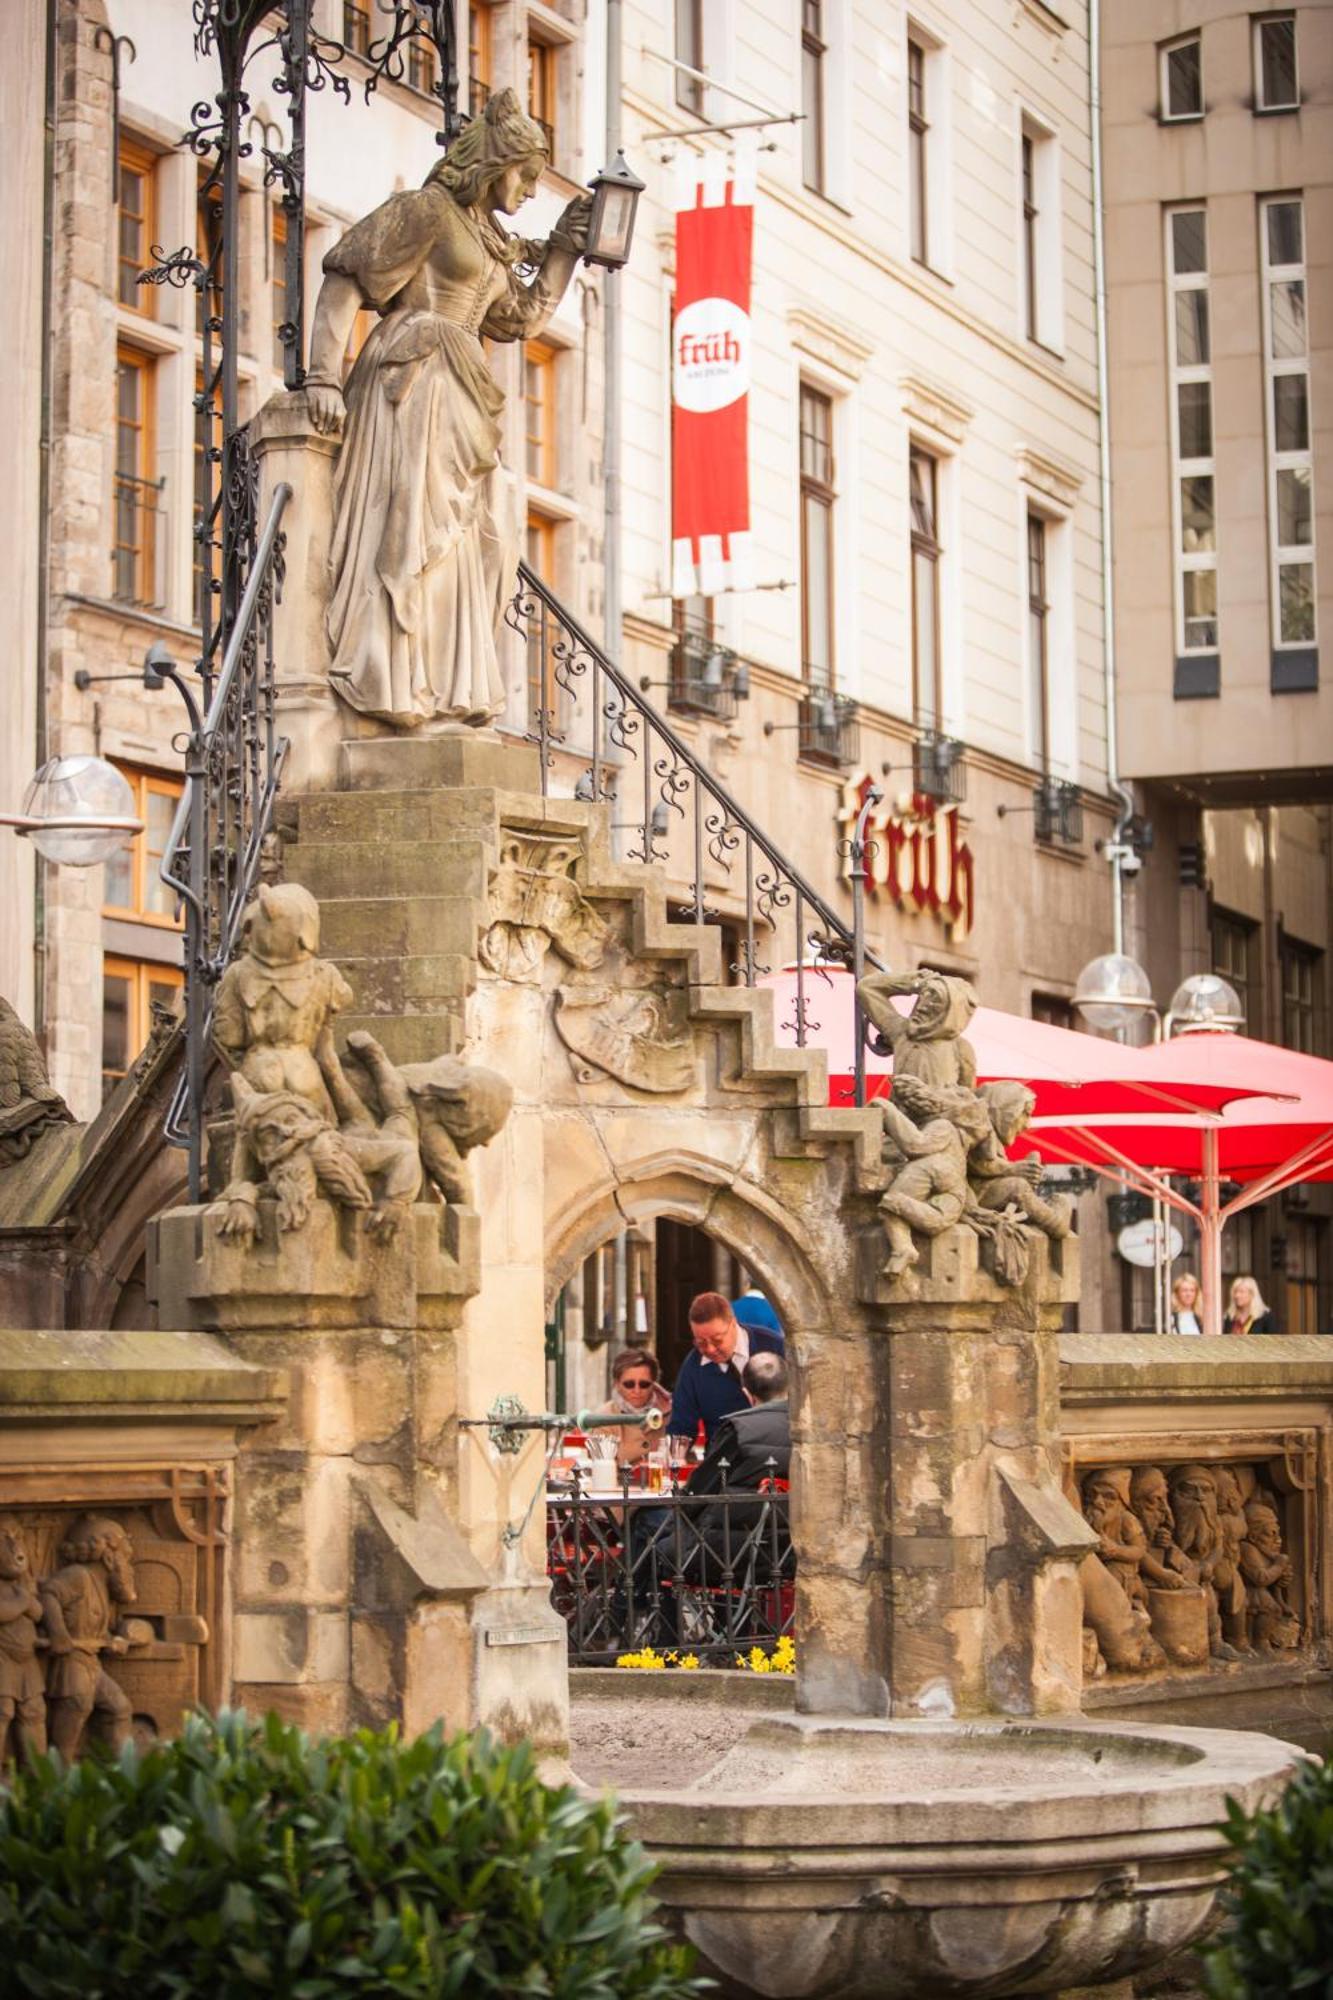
[
  {"x": 29, "y": 1104},
  {"x": 22, "y": 1680},
  {"x": 276, "y": 1004},
  {"x": 1267, "y": 1571},
  {"x": 283, "y": 1143},
  {"x": 79, "y": 1609},
  {"x": 453, "y": 1107},
  {"x": 1123, "y": 1543},
  {"x": 929, "y": 1191},
  {"x": 1165, "y": 1566},
  {"x": 928, "y": 1045},
  {"x": 1234, "y": 1529},
  {"x": 1121, "y": 1628},
  {"x": 1199, "y": 1535},
  {"x": 997, "y": 1181}
]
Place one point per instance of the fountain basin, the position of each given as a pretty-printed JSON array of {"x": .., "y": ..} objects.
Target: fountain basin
[{"x": 881, "y": 1860}]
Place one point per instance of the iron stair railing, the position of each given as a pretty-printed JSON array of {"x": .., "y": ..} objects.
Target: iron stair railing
[
  {"x": 234, "y": 761},
  {"x": 738, "y": 876}
]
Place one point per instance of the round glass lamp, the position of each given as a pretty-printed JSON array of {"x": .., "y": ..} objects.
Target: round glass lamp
[
  {"x": 1113, "y": 992},
  {"x": 69, "y": 789},
  {"x": 1203, "y": 1004}
]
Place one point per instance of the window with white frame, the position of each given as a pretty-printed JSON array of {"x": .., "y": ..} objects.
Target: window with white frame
[
  {"x": 1039, "y": 234},
  {"x": 1193, "y": 480},
  {"x": 924, "y": 502},
  {"x": 1290, "y": 462},
  {"x": 814, "y": 66},
  {"x": 1275, "y": 81},
  {"x": 1039, "y": 639},
  {"x": 1180, "y": 78},
  {"x": 927, "y": 150},
  {"x": 918, "y": 148}
]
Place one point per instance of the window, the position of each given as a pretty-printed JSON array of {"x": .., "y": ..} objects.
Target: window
[
  {"x": 356, "y": 27},
  {"x": 542, "y": 59},
  {"x": 542, "y": 637},
  {"x": 1233, "y": 956},
  {"x": 1302, "y": 993},
  {"x": 539, "y": 412},
  {"x": 1040, "y": 306},
  {"x": 478, "y": 56},
  {"x": 1039, "y": 612},
  {"x": 923, "y": 486},
  {"x": 421, "y": 69},
  {"x": 1290, "y": 461},
  {"x": 278, "y": 281},
  {"x": 690, "y": 51},
  {"x": 207, "y": 437},
  {"x": 131, "y": 988},
  {"x": 209, "y": 250},
  {"x": 1181, "y": 78},
  {"x": 137, "y": 496},
  {"x": 131, "y": 886},
  {"x": 1301, "y": 1261},
  {"x": 918, "y": 132},
  {"x": 1194, "y": 509},
  {"x": 814, "y": 47},
  {"x": 817, "y": 497},
  {"x": 1275, "y": 83},
  {"x": 137, "y": 226},
  {"x": 1054, "y": 1009}
]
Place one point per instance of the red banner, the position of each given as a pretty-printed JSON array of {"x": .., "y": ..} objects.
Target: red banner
[{"x": 710, "y": 380}]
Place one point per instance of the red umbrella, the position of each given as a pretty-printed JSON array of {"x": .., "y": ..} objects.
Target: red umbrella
[
  {"x": 1072, "y": 1074},
  {"x": 1274, "y": 1140}
]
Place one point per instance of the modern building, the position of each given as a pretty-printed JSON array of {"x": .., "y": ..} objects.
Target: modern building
[{"x": 1218, "y": 138}]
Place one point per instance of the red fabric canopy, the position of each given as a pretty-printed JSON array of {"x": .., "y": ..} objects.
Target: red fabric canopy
[{"x": 1073, "y": 1075}]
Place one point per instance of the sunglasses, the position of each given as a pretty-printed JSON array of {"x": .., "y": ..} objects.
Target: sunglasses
[{"x": 636, "y": 1381}]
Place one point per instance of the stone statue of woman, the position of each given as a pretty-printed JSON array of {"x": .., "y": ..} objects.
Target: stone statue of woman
[{"x": 425, "y": 541}]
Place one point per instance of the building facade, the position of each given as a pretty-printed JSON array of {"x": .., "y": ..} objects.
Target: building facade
[{"x": 1218, "y": 135}]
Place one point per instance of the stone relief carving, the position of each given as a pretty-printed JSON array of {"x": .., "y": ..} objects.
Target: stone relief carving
[
  {"x": 106, "y": 1610},
  {"x": 424, "y": 553},
  {"x": 303, "y": 1127},
  {"x": 536, "y": 905},
  {"x": 946, "y": 1139},
  {"x": 640, "y": 1036},
  {"x": 29, "y": 1105},
  {"x": 1190, "y": 1567}
]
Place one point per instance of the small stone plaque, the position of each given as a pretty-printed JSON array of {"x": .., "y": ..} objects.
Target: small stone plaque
[{"x": 522, "y": 1635}]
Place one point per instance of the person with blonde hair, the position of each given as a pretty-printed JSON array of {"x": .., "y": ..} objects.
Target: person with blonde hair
[
  {"x": 1186, "y": 1304},
  {"x": 1246, "y": 1311}
]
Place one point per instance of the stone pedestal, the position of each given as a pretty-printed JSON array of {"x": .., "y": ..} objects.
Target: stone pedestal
[
  {"x": 983, "y": 1547},
  {"x": 372, "y": 1578}
]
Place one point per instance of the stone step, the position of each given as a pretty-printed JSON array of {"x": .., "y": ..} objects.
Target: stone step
[
  {"x": 338, "y": 870},
  {"x": 422, "y": 763},
  {"x": 322, "y": 818}
]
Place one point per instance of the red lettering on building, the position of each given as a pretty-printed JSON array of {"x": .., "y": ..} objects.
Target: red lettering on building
[{"x": 920, "y": 860}]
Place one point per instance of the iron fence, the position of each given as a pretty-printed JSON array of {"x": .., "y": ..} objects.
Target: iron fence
[{"x": 711, "y": 1574}]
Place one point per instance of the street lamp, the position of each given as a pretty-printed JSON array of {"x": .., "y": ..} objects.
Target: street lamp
[
  {"x": 615, "y": 202},
  {"x": 1113, "y": 991},
  {"x": 77, "y": 810},
  {"x": 1202, "y": 1004}
]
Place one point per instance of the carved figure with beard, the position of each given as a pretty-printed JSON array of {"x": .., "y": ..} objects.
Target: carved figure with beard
[
  {"x": 928, "y": 1192},
  {"x": 282, "y": 1143},
  {"x": 1123, "y": 1541},
  {"x": 80, "y": 1611},
  {"x": 1234, "y": 1526},
  {"x": 1164, "y": 1566},
  {"x": 1267, "y": 1571},
  {"x": 22, "y": 1681},
  {"x": 1199, "y": 1534}
]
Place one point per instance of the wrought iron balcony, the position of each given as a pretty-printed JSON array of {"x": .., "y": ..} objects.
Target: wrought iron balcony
[
  {"x": 828, "y": 730},
  {"x": 1057, "y": 812},
  {"x": 705, "y": 678},
  {"x": 938, "y": 771}
]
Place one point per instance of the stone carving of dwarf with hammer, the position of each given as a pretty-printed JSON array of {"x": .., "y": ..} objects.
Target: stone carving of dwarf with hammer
[{"x": 80, "y": 1609}]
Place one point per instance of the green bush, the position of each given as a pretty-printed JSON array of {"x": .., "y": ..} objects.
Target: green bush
[
  {"x": 1277, "y": 1935},
  {"x": 248, "y": 1858}
]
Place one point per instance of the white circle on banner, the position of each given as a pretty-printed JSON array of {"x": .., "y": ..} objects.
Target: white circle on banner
[
  {"x": 710, "y": 355},
  {"x": 1143, "y": 1243}
]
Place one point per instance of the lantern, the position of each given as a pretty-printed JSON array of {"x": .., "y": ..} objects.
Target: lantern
[{"x": 615, "y": 200}]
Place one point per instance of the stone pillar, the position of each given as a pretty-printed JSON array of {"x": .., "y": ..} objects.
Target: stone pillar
[
  {"x": 372, "y": 1581},
  {"x": 983, "y": 1547}
]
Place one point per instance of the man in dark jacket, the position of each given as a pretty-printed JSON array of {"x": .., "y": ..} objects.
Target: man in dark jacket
[
  {"x": 754, "y": 1443},
  {"x": 708, "y": 1386}
]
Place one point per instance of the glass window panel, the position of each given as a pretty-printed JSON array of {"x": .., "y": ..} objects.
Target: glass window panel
[
  {"x": 1293, "y": 508},
  {"x": 1195, "y": 402},
  {"x": 1198, "y": 525},
  {"x": 159, "y": 812},
  {"x": 1200, "y": 600},
  {"x": 164, "y": 991},
  {"x": 925, "y": 635},
  {"x": 818, "y": 594},
  {"x": 1284, "y": 232},
  {"x": 1192, "y": 350},
  {"x": 1184, "y": 81},
  {"x": 1291, "y": 413},
  {"x": 1189, "y": 241},
  {"x": 116, "y": 998},
  {"x": 1287, "y": 312},
  {"x": 118, "y": 880},
  {"x": 1277, "y": 57},
  {"x": 1296, "y": 603},
  {"x": 812, "y": 126},
  {"x": 922, "y": 473}
]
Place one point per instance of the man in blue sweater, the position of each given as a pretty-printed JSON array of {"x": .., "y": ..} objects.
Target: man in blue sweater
[{"x": 708, "y": 1387}]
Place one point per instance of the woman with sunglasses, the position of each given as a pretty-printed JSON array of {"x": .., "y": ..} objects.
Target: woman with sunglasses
[{"x": 636, "y": 1386}]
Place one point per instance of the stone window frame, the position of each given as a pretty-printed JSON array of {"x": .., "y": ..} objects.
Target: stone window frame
[{"x": 1186, "y": 563}]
